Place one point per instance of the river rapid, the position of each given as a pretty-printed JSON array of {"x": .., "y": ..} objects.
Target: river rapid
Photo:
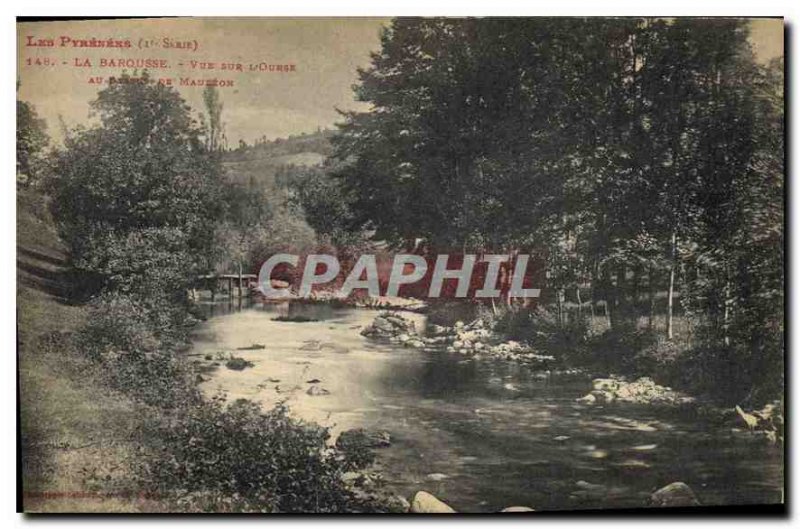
[{"x": 480, "y": 435}]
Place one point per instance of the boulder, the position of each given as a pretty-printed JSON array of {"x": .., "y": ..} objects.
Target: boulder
[
  {"x": 677, "y": 494},
  {"x": 316, "y": 391},
  {"x": 605, "y": 384},
  {"x": 363, "y": 438},
  {"x": 517, "y": 508},
  {"x": 603, "y": 396},
  {"x": 438, "y": 329},
  {"x": 426, "y": 503},
  {"x": 392, "y": 326},
  {"x": 238, "y": 364},
  {"x": 382, "y": 324}
]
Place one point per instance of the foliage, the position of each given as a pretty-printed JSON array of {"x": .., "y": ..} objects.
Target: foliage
[
  {"x": 32, "y": 139},
  {"x": 119, "y": 336},
  {"x": 324, "y": 204},
  {"x": 137, "y": 199},
  {"x": 215, "y": 135},
  {"x": 142, "y": 168},
  {"x": 244, "y": 226},
  {"x": 206, "y": 455},
  {"x": 635, "y": 156},
  {"x": 237, "y": 458}
]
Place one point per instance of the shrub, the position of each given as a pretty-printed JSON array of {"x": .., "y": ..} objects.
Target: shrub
[
  {"x": 116, "y": 325},
  {"x": 237, "y": 458},
  {"x": 118, "y": 335},
  {"x": 515, "y": 324},
  {"x": 615, "y": 350},
  {"x": 541, "y": 329}
]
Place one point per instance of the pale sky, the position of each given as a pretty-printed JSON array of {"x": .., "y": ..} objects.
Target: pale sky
[{"x": 325, "y": 52}]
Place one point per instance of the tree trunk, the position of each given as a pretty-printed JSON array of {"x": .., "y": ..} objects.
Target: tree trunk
[
  {"x": 651, "y": 285},
  {"x": 618, "y": 312},
  {"x": 726, "y": 314},
  {"x": 559, "y": 296},
  {"x": 671, "y": 290}
]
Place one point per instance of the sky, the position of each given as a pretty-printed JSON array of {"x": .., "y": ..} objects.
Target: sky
[{"x": 325, "y": 52}]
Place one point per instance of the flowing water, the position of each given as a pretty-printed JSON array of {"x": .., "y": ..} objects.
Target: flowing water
[{"x": 480, "y": 435}]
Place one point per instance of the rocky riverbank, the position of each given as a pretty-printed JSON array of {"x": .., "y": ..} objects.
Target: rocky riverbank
[
  {"x": 676, "y": 494},
  {"x": 472, "y": 339}
]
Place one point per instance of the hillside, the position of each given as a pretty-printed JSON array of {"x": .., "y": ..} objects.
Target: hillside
[{"x": 263, "y": 164}]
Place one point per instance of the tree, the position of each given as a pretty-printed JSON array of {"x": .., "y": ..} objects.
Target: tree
[
  {"x": 240, "y": 231},
  {"x": 216, "y": 128},
  {"x": 323, "y": 203},
  {"x": 32, "y": 139},
  {"x": 633, "y": 154},
  {"x": 144, "y": 167}
]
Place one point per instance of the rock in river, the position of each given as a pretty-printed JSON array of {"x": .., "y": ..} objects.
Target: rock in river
[
  {"x": 517, "y": 508},
  {"x": 390, "y": 325},
  {"x": 677, "y": 494},
  {"x": 316, "y": 391},
  {"x": 640, "y": 391},
  {"x": 426, "y": 503},
  {"x": 361, "y": 438}
]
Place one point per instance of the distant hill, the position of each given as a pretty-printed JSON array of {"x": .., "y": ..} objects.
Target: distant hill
[
  {"x": 317, "y": 143},
  {"x": 260, "y": 163}
]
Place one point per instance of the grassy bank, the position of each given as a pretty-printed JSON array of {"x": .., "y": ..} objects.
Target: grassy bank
[{"x": 78, "y": 436}]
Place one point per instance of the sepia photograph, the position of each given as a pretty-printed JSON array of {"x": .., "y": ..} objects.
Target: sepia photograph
[{"x": 401, "y": 265}]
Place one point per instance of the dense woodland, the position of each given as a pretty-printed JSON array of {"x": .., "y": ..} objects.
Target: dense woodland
[{"x": 643, "y": 159}]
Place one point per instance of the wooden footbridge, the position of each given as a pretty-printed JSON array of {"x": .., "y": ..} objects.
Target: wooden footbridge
[{"x": 235, "y": 282}]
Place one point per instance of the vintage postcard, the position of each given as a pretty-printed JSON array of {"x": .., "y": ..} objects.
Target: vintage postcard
[{"x": 400, "y": 265}]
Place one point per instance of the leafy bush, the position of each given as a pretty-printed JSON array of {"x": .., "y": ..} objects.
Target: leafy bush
[
  {"x": 659, "y": 355},
  {"x": 737, "y": 374},
  {"x": 541, "y": 329},
  {"x": 514, "y": 323},
  {"x": 615, "y": 350},
  {"x": 237, "y": 458},
  {"x": 118, "y": 335}
]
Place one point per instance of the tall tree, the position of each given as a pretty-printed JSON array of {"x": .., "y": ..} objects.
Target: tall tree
[
  {"x": 144, "y": 167},
  {"x": 216, "y": 128}
]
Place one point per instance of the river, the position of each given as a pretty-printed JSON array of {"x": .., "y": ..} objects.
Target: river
[{"x": 480, "y": 435}]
